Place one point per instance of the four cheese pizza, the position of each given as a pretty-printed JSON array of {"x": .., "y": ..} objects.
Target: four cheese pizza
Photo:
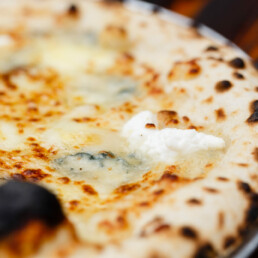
[{"x": 122, "y": 133}]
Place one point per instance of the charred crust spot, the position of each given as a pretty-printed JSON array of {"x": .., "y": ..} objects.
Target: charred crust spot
[
  {"x": 219, "y": 59},
  {"x": 253, "y": 118},
  {"x": 144, "y": 204},
  {"x": 210, "y": 190},
  {"x": 156, "y": 9},
  {"x": 73, "y": 10},
  {"x": 254, "y": 198},
  {"x": 255, "y": 154},
  {"x": 150, "y": 126},
  {"x": 237, "y": 63},
  {"x": 229, "y": 241},
  {"x": 209, "y": 100},
  {"x": 252, "y": 213},
  {"x": 222, "y": 179},
  {"x": 238, "y": 76},
  {"x": 186, "y": 119},
  {"x": 170, "y": 177},
  {"x": 220, "y": 114},
  {"x": 194, "y": 201},
  {"x": 22, "y": 202},
  {"x": 243, "y": 165},
  {"x": 158, "y": 192},
  {"x": 205, "y": 251},
  {"x": 184, "y": 70},
  {"x": 223, "y": 86},
  {"x": 73, "y": 204},
  {"x": 256, "y": 89},
  {"x": 254, "y": 109},
  {"x": 162, "y": 228},
  {"x": 254, "y": 106},
  {"x": 8, "y": 82},
  {"x": 167, "y": 117},
  {"x": 212, "y": 48},
  {"x": 89, "y": 190},
  {"x": 108, "y": 154},
  {"x": 194, "y": 70},
  {"x": 18, "y": 177},
  {"x": 124, "y": 189},
  {"x": 34, "y": 174},
  {"x": 64, "y": 180},
  {"x": 221, "y": 220},
  {"x": 188, "y": 232}
]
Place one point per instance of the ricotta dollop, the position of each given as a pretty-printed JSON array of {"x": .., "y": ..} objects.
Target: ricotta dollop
[{"x": 168, "y": 144}]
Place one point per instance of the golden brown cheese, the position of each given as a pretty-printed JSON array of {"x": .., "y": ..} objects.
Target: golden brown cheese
[{"x": 65, "y": 93}]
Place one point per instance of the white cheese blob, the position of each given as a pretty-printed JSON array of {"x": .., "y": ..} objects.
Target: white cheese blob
[
  {"x": 165, "y": 145},
  {"x": 5, "y": 40}
]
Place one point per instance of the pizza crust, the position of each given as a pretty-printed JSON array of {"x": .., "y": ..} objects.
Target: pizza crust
[{"x": 161, "y": 213}]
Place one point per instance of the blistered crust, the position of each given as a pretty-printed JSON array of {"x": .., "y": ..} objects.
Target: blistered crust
[{"x": 200, "y": 85}]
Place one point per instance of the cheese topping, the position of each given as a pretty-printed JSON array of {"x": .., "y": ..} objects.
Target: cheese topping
[
  {"x": 5, "y": 40},
  {"x": 166, "y": 145}
]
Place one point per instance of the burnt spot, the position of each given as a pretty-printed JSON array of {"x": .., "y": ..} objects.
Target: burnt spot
[
  {"x": 237, "y": 63},
  {"x": 73, "y": 10},
  {"x": 73, "y": 204},
  {"x": 89, "y": 190},
  {"x": 124, "y": 189},
  {"x": 167, "y": 118},
  {"x": 254, "y": 109},
  {"x": 256, "y": 89},
  {"x": 238, "y": 76},
  {"x": 184, "y": 70},
  {"x": 186, "y": 119},
  {"x": 255, "y": 154},
  {"x": 169, "y": 177},
  {"x": 156, "y": 9},
  {"x": 229, "y": 241},
  {"x": 8, "y": 82},
  {"x": 162, "y": 228},
  {"x": 205, "y": 251},
  {"x": 34, "y": 174},
  {"x": 150, "y": 126},
  {"x": 219, "y": 59},
  {"x": 194, "y": 201},
  {"x": 22, "y": 202},
  {"x": 210, "y": 190},
  {"x": 221, "y": 220},
  {"x": 208, "y": 100},
  {"x": 220, "y": 114},
  {"x": 222, "y": 179},
  {"x": 223, "y": 86},
  {"x": 18, "y": 177},
  {"x": 188, "y": 232},
  {"x": 252, "y": 213},
  {"x": 244, "y": 165},
  {"x": 64, "y": 180},
  {"x": 158, "y": 192},
  {"x": 212, "y": 48}
]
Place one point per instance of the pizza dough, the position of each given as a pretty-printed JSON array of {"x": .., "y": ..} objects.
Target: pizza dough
[{"x": 73, "y": 75}]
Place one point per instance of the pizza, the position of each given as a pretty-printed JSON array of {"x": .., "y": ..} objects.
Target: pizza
[{"x": 124, "y": 132}]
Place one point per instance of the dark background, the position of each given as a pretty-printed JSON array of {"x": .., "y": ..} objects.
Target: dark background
[{"x": 237, "y": 20}]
